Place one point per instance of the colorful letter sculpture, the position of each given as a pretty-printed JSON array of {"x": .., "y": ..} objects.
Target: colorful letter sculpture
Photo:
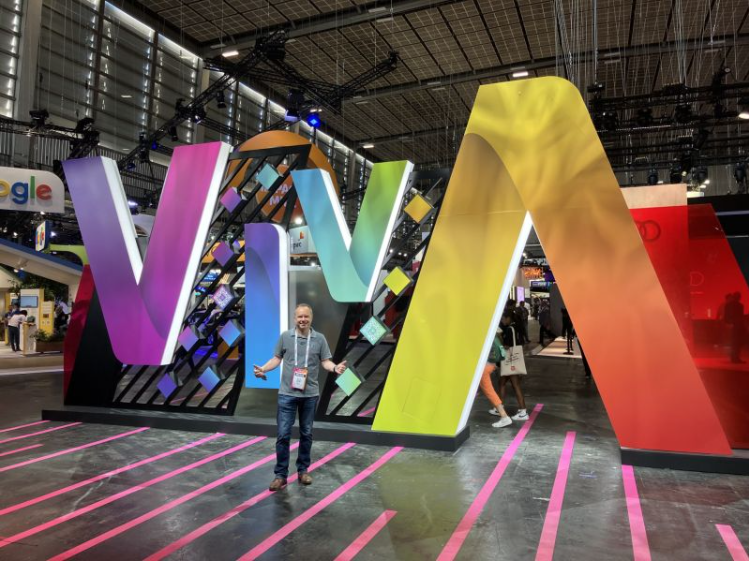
[
  {"x": 531, "y": 148},
  {"x": 266, "y": 297},
  {"x": 144, "y": 302},
  {"x": 351, "y": 264}
]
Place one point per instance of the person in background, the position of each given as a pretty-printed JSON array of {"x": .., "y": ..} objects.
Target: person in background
[
  {"x": 9, "y": 314},
  {"x": 14, "y": 330},
  {"x": 544, "y": 321},
  {"x": 507, "y": 327},
  {"x": 487, "y": 387},
  {"x": 524, "y": 312},
  {"x": 568, "y": 331},
  {"x": 734, "y": 317},
  {"x": 302, "y": 351}
]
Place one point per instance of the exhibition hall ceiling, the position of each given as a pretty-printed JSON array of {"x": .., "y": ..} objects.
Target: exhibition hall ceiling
[{"x": 448, "y": 48}]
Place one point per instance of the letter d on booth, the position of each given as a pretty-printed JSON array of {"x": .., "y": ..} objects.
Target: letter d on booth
[{"x": 144, "y": 302}]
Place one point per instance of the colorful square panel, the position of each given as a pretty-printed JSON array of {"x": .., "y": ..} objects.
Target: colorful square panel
[
  {"x": 397, "y": 281},
  {"x": 188, "y": 338},
  {"x": 231, "y": 199},
  {"x": 374, "y": 330},
  {"x": 225, "y": 297},
  {"x": 209, "y": 379},
  {"x": 166, "y": 386},
  {"x": 231, "y": 332},
  {"x": 267, "y": 176},
  {"x": 223, "y": 253},
  {"x": 348, "y": 381},
  {"x": 418, "y": 209}
]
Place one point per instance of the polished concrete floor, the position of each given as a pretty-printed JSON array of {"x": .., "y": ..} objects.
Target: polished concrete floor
[{"x": 178, "y": 498}]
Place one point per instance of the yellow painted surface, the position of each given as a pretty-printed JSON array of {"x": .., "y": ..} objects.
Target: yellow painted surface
[
  {"x": 530, "y": 144},
  {"x": 418, "y": 208},
  {"x": 397, "y": 280}
]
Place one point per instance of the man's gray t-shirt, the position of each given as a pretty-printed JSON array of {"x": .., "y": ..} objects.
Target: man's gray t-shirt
[{"x": 318, "y": 352}]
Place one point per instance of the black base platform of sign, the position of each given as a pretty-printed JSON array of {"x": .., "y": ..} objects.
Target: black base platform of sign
[
  {"x": 256, "y": 426},
  {"x": 737, "y": 464}
]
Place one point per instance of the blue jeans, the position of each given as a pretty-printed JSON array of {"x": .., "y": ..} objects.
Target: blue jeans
[{"x": 287, "y": 408}]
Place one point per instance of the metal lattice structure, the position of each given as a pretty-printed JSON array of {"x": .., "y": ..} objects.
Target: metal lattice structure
[{"x": 142, "y": 387}]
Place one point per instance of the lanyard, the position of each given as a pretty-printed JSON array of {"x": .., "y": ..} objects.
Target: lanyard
[{"x": 306, "y": 354}]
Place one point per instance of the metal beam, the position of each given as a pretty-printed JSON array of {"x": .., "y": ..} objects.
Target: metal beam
[
  {"x": 329, "y": 21},
  {"x": 544, "y": 63}
]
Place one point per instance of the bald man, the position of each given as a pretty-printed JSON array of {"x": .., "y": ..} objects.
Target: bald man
[{"x": 301, "y": 351}]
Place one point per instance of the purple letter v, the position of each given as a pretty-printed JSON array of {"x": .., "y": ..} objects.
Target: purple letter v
[{"x": 144, "y": 301}]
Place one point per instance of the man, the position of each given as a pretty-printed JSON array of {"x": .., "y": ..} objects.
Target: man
[
  {"x": 734, "y": 317},
  {"x": 302, "y": 351},
  {"x": 520, "y": 317},
  {"x": 14, "y": 330},
  {"x": 544, "y": 321}
]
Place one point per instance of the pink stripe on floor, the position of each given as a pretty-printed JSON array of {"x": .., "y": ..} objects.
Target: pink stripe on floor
[
  {"x": 208, "y": 526},
  {"x": 737, "y": 551},
  {"x": 39, "y": 432},
  {"x": 453, "y": 545},
  {"x": 58, "y": 492},
  {"x": 129, "y": 491},
  {"x": 367, "y": 412},
  {"x": 20, "y": 450},
  {"x": 545, "y": 550},
  {"x": 366, "y": 536},
  {"x": 276, "y": 537},
  {"x": 101, "y": 538},
  {"x": 71, "y": 450},
  {"x": 24, "y": 426},
  {"x": 634, "y": 512}
]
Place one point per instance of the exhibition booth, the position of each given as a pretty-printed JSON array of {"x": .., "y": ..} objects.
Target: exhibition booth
[{"x": 157, "y": 340}]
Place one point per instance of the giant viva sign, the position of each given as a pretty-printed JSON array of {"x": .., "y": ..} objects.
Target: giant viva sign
[{"x": 497, "y": 191}]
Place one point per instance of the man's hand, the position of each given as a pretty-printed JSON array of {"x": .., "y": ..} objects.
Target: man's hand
[
  {"x": 340, "y": 367},
  {"x": 259, "y": 372}
]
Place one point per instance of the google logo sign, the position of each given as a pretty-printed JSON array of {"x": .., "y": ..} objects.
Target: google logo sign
[{"x": 31, "y": 190}]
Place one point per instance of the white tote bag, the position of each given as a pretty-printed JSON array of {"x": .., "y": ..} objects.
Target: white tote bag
[{"x": 514, "y": 362}]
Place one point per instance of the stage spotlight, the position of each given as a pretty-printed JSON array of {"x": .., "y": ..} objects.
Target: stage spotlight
[
  {"x": 610, "y": 120},
  {"x": 683, "y": 113},
  {"x": 295, "y": 100},
  {"x": 39, "y": 117},
  {"x": 173, "y": 133},
  {"x": 744, "y": 108},
  {"x": 198, "y": 115},
  {"x": 675, "y": 175},
  {"x": 700, "y": 137},
  {"x": 739, "y": 172},
  {"x": 644, "y": 117},
  {"x": 142, "y": 147},
  {"x": 653, "y": 177},
  {"x": 313, "y": 120},
  {"x": 84, "y": 124},
  {"x": 220, "y": 100},
  {"x": 687, "y": 163},
  {"x": 719, "y": 76},
  {"x": 700, "y": 174}
]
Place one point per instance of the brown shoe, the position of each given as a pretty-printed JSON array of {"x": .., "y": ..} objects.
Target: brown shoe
[
  {"x": 305, "y": 479},
  {"x": 277, "y": 484}
]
